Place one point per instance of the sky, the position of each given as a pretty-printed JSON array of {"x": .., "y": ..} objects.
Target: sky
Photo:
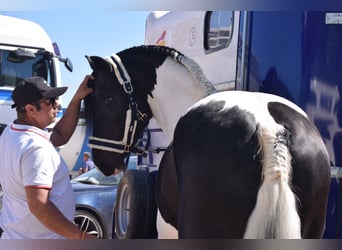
[
  {"x": 104, "y": 27},
  {"x": 80, "y": 33}
]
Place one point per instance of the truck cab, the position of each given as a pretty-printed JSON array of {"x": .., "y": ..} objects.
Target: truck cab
[{"x": 25, "y": 50}]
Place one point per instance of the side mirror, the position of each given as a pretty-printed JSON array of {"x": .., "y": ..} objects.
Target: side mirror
[
  {"x": 66, "y": 61},
  {"x": 68, "y": 64}
]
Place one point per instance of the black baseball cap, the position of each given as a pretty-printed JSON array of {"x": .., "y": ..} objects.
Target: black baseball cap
[{"x": 33, "y": 89}]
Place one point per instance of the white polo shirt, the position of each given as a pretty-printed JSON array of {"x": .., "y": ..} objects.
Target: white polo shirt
[{"x": 28, "y": 159}]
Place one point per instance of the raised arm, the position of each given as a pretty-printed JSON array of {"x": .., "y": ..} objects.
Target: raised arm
[{"x": 65, "y": 127}]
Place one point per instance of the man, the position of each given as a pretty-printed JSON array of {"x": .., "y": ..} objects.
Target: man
[
  {"x": 38, "y": 201},
  {"x": 88, "y": 164}
]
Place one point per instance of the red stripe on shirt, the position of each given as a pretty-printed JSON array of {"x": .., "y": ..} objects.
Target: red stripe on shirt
[
  {"x": 28, "y": 130},
  {"x": 39, "y": 187}
]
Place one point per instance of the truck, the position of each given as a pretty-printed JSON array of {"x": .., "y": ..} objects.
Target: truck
[
  {"x": 27, "y": 50},
  {"x": 293, "y": 54}
]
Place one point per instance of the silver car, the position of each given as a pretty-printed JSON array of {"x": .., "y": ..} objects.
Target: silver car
[{"x": 95, "y": 196}]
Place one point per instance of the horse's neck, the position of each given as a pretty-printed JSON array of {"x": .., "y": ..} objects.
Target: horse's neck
[{"x": 175, "y": 91}]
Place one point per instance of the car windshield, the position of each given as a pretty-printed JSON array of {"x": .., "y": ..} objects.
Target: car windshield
[{"x": 95, "y": 177}]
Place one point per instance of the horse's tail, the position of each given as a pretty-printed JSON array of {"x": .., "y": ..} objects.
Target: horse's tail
[{"x": 275, "y": 214}]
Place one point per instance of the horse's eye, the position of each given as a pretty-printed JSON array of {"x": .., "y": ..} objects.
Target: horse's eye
[{"x": 108, "y": 100}]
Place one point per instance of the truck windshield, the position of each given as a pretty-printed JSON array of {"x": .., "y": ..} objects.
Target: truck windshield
[{"x": 15, "y": 66}]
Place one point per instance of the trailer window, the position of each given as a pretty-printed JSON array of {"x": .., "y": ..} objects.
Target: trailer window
[{"x": 218, "y": 30}]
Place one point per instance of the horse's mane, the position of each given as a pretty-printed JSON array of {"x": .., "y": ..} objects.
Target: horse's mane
[
  {"x": 187, "y": 62},
  {"x": 193, "y": 68},
  {"x": 167, "y": 51}
]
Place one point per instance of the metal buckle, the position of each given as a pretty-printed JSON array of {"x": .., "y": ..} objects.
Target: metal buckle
[
  {"x": 128, "y": 87},
  {"x": 141, "y": 116}
]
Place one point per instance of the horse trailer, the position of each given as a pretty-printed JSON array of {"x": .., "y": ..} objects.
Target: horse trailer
[{"x": 296, "y": 55}]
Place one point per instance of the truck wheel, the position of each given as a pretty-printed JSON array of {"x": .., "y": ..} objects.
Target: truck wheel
[{"x": 135, "y": 209}]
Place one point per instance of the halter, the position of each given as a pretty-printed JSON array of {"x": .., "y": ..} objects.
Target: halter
[{"x": 133, "y": 115}]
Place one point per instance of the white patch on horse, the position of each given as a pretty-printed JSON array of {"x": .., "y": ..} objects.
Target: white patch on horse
[
  {"x": 247, "y": 100},
  {"x": 174, "y": 81}
]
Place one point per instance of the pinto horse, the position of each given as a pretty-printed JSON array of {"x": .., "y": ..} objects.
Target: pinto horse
[{"x": 239, "y": 164}]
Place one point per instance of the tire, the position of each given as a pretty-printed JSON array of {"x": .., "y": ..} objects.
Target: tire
[
  {"x": 135, "y": 208},
  {"x": 89, "y": 223}
]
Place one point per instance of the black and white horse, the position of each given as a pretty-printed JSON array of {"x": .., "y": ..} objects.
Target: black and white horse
[{"x": 240, "y": 165}]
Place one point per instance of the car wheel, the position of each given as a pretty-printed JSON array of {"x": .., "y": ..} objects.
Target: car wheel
[
  {"x": 135, "y": 207},
  {"x": 88, "y": 223}
]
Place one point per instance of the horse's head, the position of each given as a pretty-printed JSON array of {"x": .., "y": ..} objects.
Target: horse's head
[
  {"x": 119, "y": 115},
  {"x": 121, "y": 109}
]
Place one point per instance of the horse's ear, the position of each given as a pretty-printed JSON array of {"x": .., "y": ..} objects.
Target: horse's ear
[
  {"x": 90, "y": 62},
  {"x": 97, "y": 62}
]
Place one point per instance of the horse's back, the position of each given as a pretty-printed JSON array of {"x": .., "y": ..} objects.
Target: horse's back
[{"x": 219, "y": 168}]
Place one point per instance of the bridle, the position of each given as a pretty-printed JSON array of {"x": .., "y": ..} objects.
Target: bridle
[{"x": 133, "y": 115}]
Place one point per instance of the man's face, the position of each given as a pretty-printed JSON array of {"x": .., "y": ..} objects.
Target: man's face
[{"x": 47, "y": 113}]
